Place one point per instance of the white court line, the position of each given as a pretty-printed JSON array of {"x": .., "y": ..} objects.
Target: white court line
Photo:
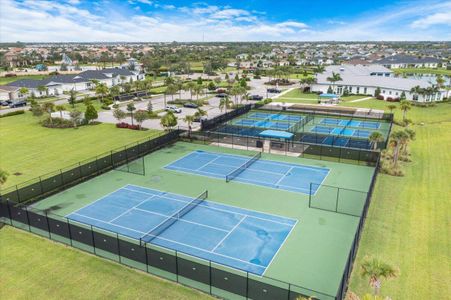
[
  {"x": 280, "y": 247},
  {"x": 134, "y": 207},
  {"x": 208, "y": 163},
  {"x": 172, "y": 241},
  {"x": 284, "y": 176},
  {"x": 236, "y": 213},
  {"x": 227, "y": 235}
]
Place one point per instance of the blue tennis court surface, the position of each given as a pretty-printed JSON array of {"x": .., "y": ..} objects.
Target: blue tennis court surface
[
  {"x": 350, "y": 123},
  {"x": 264, "y": 124},
  {"x": 240, "y": 238},
  {"x": 279, "y": 117},
  {"x": 267, "y": 173},
  {"x": 341, "y": 131},
  {"x": 337, "y": 141}
]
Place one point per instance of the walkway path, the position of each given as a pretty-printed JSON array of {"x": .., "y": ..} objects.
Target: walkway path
[{"x": 361, "y": 99}]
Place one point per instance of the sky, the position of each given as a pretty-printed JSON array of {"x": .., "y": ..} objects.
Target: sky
[{"x": 244, "y": 20}]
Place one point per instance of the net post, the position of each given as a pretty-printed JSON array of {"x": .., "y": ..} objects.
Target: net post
[
  {"x": 310, "y": 196},
  {"x": 336, "y": 203}
]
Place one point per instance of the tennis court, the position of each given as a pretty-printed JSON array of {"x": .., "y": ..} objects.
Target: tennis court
[
  {"x": 244, "y": 169},
  {"x": 344, "y": 131},
  {"x": 337, "y": 141},
  {"x": 279, "y": 117},
  {"x": 245, "y": 239},
  {"x": 350, "y": 123},
  {"x": 264, "y": 124}
]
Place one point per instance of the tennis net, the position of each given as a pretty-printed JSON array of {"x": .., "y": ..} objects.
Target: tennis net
[
  {"x": 160, "y": 228},
  {"x": 243, "y": 167}
]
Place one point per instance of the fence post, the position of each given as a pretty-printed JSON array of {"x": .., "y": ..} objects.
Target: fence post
[
  {"x": 28, "y": 219},
  {"x": 93, "y": 240},
  {"x": 176, "y": 266},
  {"x": 310, "y": 196},
  {"x": 147, "y": 255},
  {"x": 209, "y": 270},
  {"x": 48, "y": 224},
  {"x": 18, "y": 195},
  {"x": 70, "y": 232},
  {"x": 118, "y": 247}
]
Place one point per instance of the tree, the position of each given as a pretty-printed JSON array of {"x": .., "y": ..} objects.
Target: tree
[
  {"x": 375, "y": 138},
  {"x": 198, "y": 89},
  {"x": 90, "y": 113},
  {"x": 224, "y": 103},
  {"x": 60, "y": 108},
  {"x": 49, "y": 107},
  {"x": 376, "y": 270},
  {"x": 391, "y": 107},
  {"x": 440, "y": 81},
  {"x": 72, "y": 97},
  {"x": 3, "y": 176},
  {"x": 36, "y": 109},
  {"x": 168, "y": 120},
  {"x": 149, "y": 107},
  {"x": 141, "y": 116},
  {"x": 171, "y": 90},
  {"x": 75, "y": 116},
  {"x": 23, "y": 91},
  {"x": 200, "y": 113},
  {"x": 189, "y": 120},
  {"x": 410, "y": 136},
  {"x": 377, "y": 92},
  {"x": 101, "y": 90},
  {"x": 405, "y": 106},
  {"x": 403, "y": 96},
  {"x": 396, "y": 141},
  {"x": 333, "y": 79},
  {"x": 115, "y": 91},
  {"x": 42, "y": 88},
  {"x": 119, "y": 114},
  {"x": 131, "y": 108},
  {"x": 190, "y": 86}
]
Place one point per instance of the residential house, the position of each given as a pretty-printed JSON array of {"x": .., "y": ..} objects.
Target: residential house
[{"x": 407, "y": 61}]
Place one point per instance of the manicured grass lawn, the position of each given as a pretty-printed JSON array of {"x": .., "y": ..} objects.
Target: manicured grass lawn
[
  {"x": 297, "y": 93},
  {"x": 36, "y": 268},
  {"x": 299, "y": 76},
  {"x": 408, "y": 221},
  {"x": 6, "y": 80},
  {"x": 158, "y": 90},
  {"x": 423, "y": 71},
  {"x": 28, "y": 148}
]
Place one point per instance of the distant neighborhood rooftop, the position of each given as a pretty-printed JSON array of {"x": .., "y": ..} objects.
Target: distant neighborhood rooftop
[{"x": 407, "y": 59}]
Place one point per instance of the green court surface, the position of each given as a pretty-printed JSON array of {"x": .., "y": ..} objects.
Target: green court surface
[{"x": 315, "y": 253}]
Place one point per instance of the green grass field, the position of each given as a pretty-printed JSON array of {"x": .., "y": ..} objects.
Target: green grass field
[
  {"x": 408, "y": 221},
  {"x": 33, "y": 150},
  {"x": 6, "y": 80},
  {"x": 423, "y": 71},
  {"x": 36, "y": 268}
]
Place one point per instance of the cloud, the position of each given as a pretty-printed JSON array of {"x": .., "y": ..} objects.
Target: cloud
[
  {"x": 435, "y": 19},
  {"x": 53, "y": 21}
]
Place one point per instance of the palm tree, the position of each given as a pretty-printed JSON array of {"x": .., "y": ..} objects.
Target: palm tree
[
  {"x": 440, "y": 81},
  {"x": 189, "y": 120},
  {"x": 48, "y": 107},
  {"x": 416, "y": 90},
  {"x": 72, "y": 97},
  {"x": 405, "y": 106},
  {"x": 75, "y": 115},
  {"x": 197, "y": 89},
  {"x": 23, "y": 91},
  {"x": 3, "y": 176},
  {"x": 333, "y": 79},
  {"x": 377, "y": 270},
  {"x": 190, "y": 86},
  {"x": 60, "y": 108},
  {"x": 131, "y": 108},
  {"x": 410, "y": 136},
  {"x": 224, "y": 103},
  {"x": 200, "y": 113},
  {"x": 101, "y": 90},
  {"x": 396, "y": 141},
  {"x": 43, "y": 88},
  {"x": 376, "y": 137},
  {"x": 171, "y": 90},
  {"x": 391, "y": 107}
]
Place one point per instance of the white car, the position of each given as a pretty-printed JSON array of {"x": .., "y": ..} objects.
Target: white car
[{"x": 173, "y": 108}]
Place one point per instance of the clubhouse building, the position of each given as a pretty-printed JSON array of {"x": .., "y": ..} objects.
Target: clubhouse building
[
  {"x": 366, "y": 79},
  {"x": 58, "y": 84}
]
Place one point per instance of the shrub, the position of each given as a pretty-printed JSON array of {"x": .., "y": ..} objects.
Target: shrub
[
  {"x": 126, "y": 125},
  {"x": 390, "y": 99},
  {"x": 57, "y": 123},
  {"x": 380, "y": 97},
  {"x": 257, "y": 77},
  {"x": 106, "y": 107},
  {"x": 13, "y": 113}
]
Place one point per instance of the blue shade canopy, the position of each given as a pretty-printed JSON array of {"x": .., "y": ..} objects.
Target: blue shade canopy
[
  {"x": 328, "y": 96},
  {"x": 276, "y": 134}
]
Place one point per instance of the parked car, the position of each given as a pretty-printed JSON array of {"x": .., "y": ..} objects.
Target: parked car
[
  {"x": 221, "y": 95},
  {"x": 273, "y": 90},
  {"x": 190, "y": 105},
  {"x": 173, "y": 108},
  {"x": 18, "y": 104},
  {"x": 255, "y": 97},
  {"x": 5, "y": 102}
]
